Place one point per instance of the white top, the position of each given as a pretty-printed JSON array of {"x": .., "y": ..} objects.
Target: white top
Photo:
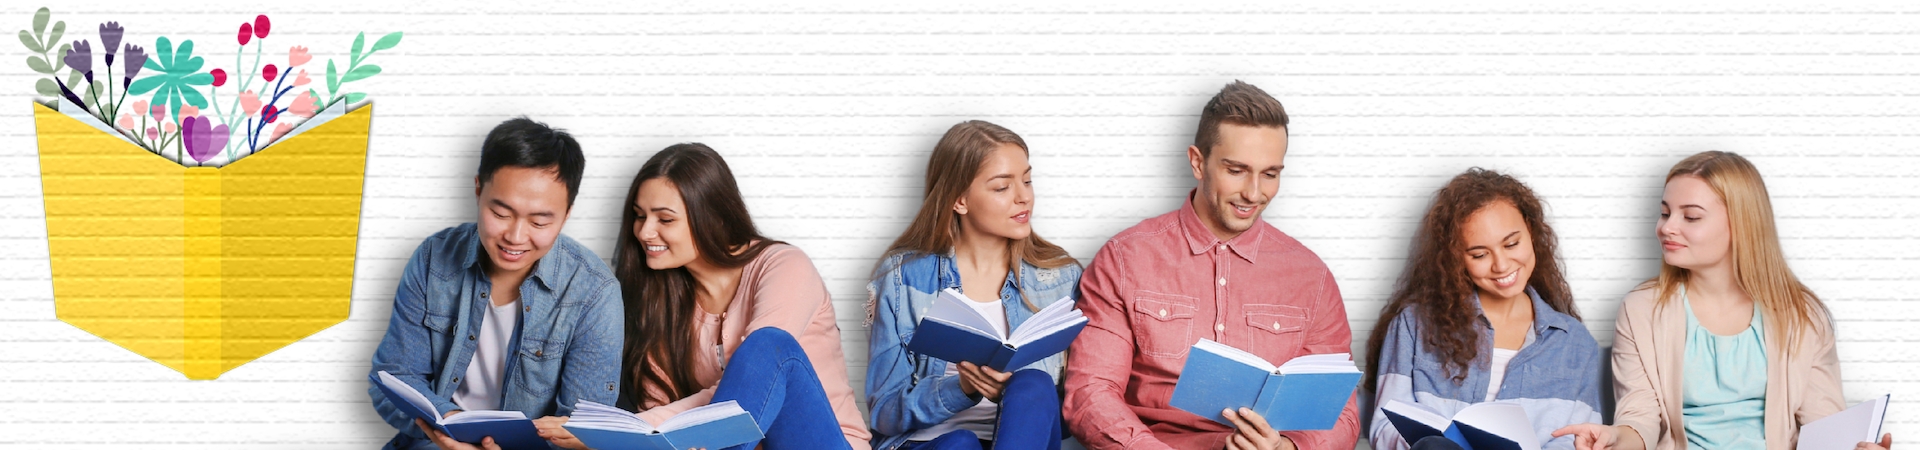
[
  {"x": 979, "y": 419},
  {"x": 1500, "y": 358},
  {"x": 481, "y": 388}
]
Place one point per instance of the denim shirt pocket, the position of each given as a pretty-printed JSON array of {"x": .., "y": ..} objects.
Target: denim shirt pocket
[
  {"x": 1162, "y": 324},
  {"x": 540, "y": 360}
]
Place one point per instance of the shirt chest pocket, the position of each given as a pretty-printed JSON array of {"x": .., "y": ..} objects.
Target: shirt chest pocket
[
  {"x": 1162, "y": 324},
  {"x": 1276, "y": 328}
]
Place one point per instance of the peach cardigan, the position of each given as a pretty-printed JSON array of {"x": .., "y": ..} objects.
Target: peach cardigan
[{"x": 1648, "y": 344}]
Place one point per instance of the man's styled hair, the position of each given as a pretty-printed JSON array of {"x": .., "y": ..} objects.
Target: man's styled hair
[
  {"x": 1238, "y": 103},
  {"x": 522, "y": 142}
]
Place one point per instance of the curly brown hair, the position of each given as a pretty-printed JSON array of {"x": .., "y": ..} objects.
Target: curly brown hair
[{"x": 1436, "y": 280}]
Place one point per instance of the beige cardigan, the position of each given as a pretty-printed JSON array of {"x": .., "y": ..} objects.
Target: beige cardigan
[{"x": 1648, "y": 347}]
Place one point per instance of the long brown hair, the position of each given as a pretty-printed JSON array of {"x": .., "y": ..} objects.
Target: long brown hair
[
  {"x": 955, "y": 161},
  {"x": 659, "y": 303},
  {"x": 1436, "y": 281},
  {"x": 1759, "y": 266}
]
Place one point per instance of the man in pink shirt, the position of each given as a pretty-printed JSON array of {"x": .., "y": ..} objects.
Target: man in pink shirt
[{"x": 1212, "y": 270}]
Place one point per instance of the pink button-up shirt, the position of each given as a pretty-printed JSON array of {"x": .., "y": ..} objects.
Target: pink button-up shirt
[{"x": 1159, "y": 287}]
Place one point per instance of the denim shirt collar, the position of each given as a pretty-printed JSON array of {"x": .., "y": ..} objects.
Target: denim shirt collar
[
  {"x": 1544, "y": 316},
  {"x": 470, "y": 253},
  {"x": 1200, "y": 239}
]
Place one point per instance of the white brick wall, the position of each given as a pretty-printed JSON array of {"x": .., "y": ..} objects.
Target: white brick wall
[{"x": 826, "y": 113}]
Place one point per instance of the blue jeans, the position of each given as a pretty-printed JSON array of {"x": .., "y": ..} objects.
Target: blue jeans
[
  {"x": 771, "y": 378},
  {"x": 1029, "y": 418}
]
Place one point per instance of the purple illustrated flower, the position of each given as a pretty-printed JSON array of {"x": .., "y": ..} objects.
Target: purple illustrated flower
[
  {"x": 80, "y": 58},
  {"x": 110, "y": 34},
  {"x": 136, "y": 58},
  {"x": 203, "y": 141}
]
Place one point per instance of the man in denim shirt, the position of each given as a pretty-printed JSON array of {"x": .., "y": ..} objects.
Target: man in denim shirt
[{"x": 505, "y": 313}]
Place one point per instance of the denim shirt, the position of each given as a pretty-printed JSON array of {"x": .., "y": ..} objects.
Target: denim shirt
[
  {"x": 1555, "y": 376},
  {"x": 908, "y": 391},
  {"x": 566, "y": 347}
]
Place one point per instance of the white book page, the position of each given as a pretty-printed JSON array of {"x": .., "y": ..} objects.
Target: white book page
[
  {"x": 1055, "y": 317},
  {"x": 1841, "y": 430},
  {"x": 950, "y": 307},
  {"x": 705, "y": 414},
  {"x": 1322, "y": 363},
  {"x": 1508, "y": 420},
  {"x": 1237, "y": 355},
  {"x": 470, "y": 416},
  {"x": 1418, "y": 414},
  {"x": 408, "y": 394},
  {"x": 598, "y": 416}
]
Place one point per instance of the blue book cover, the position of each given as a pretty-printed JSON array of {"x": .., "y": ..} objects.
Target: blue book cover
[
  {"x": 510, "y": 430},
  {"x": 1482, "y": 426},
  {"x": 1307, "y": 393},
  {"x": 714, "y": 426},
  {"x": 954, "y": 332}
]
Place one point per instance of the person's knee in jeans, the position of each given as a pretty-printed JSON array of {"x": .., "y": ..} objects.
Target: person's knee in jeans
[{"x": 769, "y": 341}]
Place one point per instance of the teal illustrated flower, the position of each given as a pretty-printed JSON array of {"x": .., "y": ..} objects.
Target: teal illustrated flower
[{"x": 178, "y": 72}]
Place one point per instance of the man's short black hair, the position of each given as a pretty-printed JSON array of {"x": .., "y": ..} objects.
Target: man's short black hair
[{"x": 522, "y": 142}]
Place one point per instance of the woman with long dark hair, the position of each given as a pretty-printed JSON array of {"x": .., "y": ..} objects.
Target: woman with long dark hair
[
  {"x": 971, "y": 234},
  {"x": 1481, "y": 314},
  {"x": 717, "y": 312}
]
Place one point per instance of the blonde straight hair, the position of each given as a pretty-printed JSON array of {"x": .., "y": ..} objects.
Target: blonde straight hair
[
  {"x": 955, "y": 161},
  {"x": 1759, "y": 266}
]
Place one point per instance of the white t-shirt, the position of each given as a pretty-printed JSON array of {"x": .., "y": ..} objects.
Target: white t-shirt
[
  {"x": 481, "y": 389},
  {"x": 979, "y": 419},
  {"x": 1500, "y": 358}
]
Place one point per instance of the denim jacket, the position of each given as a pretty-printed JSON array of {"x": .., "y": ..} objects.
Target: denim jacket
[
  {"x": 1555, "y": 376},
  {"x": 908, "y": 391},
  {"x": 566, "y": 347}
]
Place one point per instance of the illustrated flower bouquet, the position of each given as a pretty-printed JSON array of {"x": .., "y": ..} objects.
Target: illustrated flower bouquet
[
  {"x": 168, "y": 102},
  {"x": 173, "y": 229}
]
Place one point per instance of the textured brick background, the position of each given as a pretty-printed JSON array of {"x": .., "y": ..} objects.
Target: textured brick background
[{"x": 826, "y": 114}]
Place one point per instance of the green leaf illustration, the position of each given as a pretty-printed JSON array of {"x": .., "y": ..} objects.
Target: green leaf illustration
[
  {"x": 356, "y": 97},
  {"x": 59, "y": 30},
  {"x": 177, "y": 72},
  {"x": 361, "y": 73},
  {"x": 39, "y": 65},
  {"x": 357, "y": 43},
  {"x": 40, "y": 20},
  {"x": 333, "y": 78},
  {"x": 46, "y": 87},
  {"x": 31, "y": 43},
  {"x": 387, "y": 42}
]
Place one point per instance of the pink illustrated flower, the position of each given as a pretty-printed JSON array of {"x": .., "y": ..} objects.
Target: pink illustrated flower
[
  {"x": 261, "y": 26},
  {"x": 280, "y": 130},
  {"x": 153, "y": 133},
  {"x": 297, "y": 56},
  {"x": 249, "y": 103},
  {"x": 269, "y": 72},
  {"x": 159, "y": 113},
  {"x": 126, "y": 121},
  {"x": 246, "y": 33},
  {"x": 304, "y": 105},
  {"x": 170, "y": 128},
  {"x": 189, "y": 111},
  {"x": 139, "y": 105},
  {"x": 302, "y": 80},
  {"x": 219, "y": 77}
]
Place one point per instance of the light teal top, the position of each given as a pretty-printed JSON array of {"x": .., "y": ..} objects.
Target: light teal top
[{"x": 1724, "y": 391}]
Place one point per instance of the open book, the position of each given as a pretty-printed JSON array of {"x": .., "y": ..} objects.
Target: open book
[
  {"x": 1843, "y": 429},
  {"x": 1306, "y": 393},
  {"x": 714, "y": 426},
  {"x": 954, "y": 332},
  {"x": 1483, "y": 426},
  {"x": 509, "y": 429}
]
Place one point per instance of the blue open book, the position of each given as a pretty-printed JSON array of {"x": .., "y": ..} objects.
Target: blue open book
[
  {"x": 714, "y": 426},
  {"x": 1306, "y": 393},
  {"x": 1483, "y": 426},
  {"x": 510, "y": 429},
  {"x": 954, "y": 332}
]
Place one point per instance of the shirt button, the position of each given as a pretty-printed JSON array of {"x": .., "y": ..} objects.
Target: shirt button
[
  {"x": 539, "y": 353},
  {"x": 483, "y": 295},
  {"x": 469, "y": 337},
  {"x": 1163, "y": 313},
  {"x": 1220, "y": 327},
  {"x": 1223, "y": 247},
  {"x": 1223, "y": 281},
  {"x": 1276, "y": 326}
]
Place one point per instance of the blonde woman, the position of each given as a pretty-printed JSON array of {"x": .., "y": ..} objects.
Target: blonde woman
[{"x": 1725, "y": 349}]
